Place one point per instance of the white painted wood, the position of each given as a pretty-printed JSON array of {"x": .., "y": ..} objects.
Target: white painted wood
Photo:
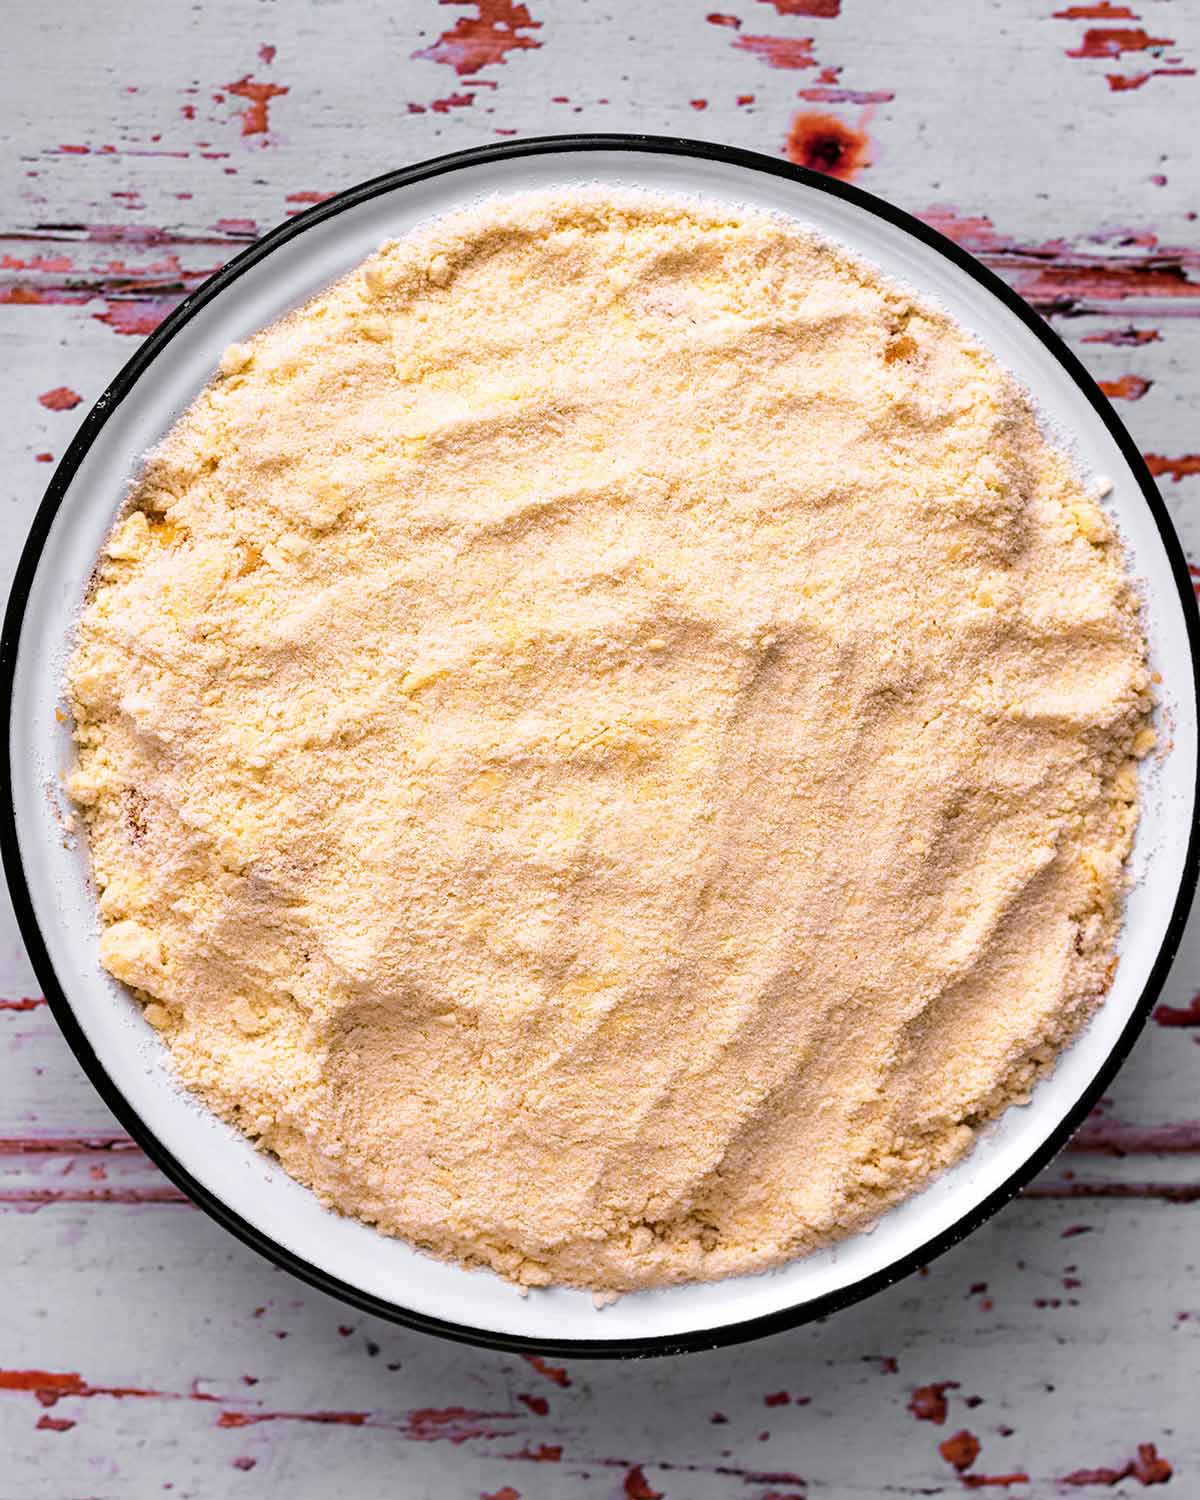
[{"x": 991, "y": 120}]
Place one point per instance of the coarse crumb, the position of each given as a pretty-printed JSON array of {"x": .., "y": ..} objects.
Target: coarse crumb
[{"x": 608, "y": 741}]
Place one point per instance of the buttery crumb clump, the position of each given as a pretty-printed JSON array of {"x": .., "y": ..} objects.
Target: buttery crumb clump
[{"x": 608, "y": 741}]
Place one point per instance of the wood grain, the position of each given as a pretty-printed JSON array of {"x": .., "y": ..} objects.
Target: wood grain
[{"x": 142, "y": 1351}]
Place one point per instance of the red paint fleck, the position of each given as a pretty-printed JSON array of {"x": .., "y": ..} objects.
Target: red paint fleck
[
  {"x": 311, "y": 197},
  {"x": 1065, "y": 284},
  {"x": 960, "y": 1450},
  {"x": 479, "y": 41},
  {"x": 823, "y": 143},
  {"x": 888, "y": 1364},
  {"x": 505, "y": 1492},
  {"x": 999, "y": 1481},
  {"x": 544, "y": 1453},
  {"x": 556, "y": 1373},
  {"x": 452, "y": 1424},
  {"x": 698, "y": 103},
  {"x": 1109, "y": 1137},
  {"x": 820, "y": 94},
  {"x": 240, "y": 227},
  {"x": 255, "y": 119},
  {"x": 716, "y": 18},
  {"x": 536, "y": 1404},
  {"x": 823, "y": 9},
  {"x": 244, "y": 1464},
  {"x": 1124, "y": 338},
  {"x": 451, "y": 101},
  {"x": 136, "y": 315},
  {"x": 1147, "y": 1468},
  {"x": 1126, "y": 388},
  {"x": 1103, "y": 11},
  {"x": 637, "y": 1487},
  {"x": 779, "y": 51},
  {"x": 322, "y": 1418},
  {"x": 972, "y": 232},
  {"x": 41, "y": 458},
  {"x": 928, "y": 1402},
  {"x": 1119, "y": 82},
  {"x": 1113, "y": 41},
  {"x": 1189, "y": 1014},
  {"x": 54, "y": 1424},
  {"x": 266, "y": 54},
  {"x": 61, "y": 398},
  {"x": 745, "y": 98},
  {"x": 50, "y": 1386},
  {"x": 778, "y": 1398},
  {"x": 76, "y": 150}
]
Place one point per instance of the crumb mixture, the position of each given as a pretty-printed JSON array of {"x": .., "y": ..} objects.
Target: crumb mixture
[{"x": 608, "y": 741}]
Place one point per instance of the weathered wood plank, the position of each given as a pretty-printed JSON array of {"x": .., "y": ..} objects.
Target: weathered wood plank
[{"x": 142, "y": 146}]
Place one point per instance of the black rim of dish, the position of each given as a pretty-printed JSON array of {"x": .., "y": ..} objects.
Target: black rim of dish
[{"x": 123, "y": 385}]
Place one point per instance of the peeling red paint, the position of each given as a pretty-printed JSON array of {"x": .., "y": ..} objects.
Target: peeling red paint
[
  {"x": 28, "y": 1002},
  {"x": 61, "y": 398},
  {"x": 823, "y": 94},
  {"x": 1115, "y": 41},
  {"x": 240, "y": 228},
  {"x": 779, "y": 51},
  {"x": 536, "y": 1404},
  {"x": 1162, "y": 1192},
  {"x": 1066, "y": 284},
  {"x": 823, "y": 9},
  {"x": 454, "y": 1424},
  {"x": 823, "y": 143},
  {"x": 255, "y": 119},
  {"x": 35, "y": 263},
  {"x": 1147, "y": 1468},
  {"x": 960, "y": 1450},
  {"x": 50, "y": 1386},
  {"x": 777, "y": 1398},
  {"x": 1126, "y": 387},
  {"x": 556, "y": 1373},
  {"x": 31, "y": 1200},
  {"x": 505, "y": 1492},
  {"x": 928, "y": 1402},
  {"x": 544, "y": 1453},
  {"x": 480, "y": 41},
  {"x": 637, "y": 1487},
  {"x": 266, "y": 54},
  {"x": 997, "y": 1481},
  {"x": 1176, "y": 469},
  {"x": 698, "y": 103},
  {"x": 1115, "y": 1138},
  {"x": 717, "y": 18},
  {"x": 54, "y": 1424},
  {"x": 1102, "y": 11},
  {"x": 136, "y": 315},
  {"x": 1120, "y": 82},
  {"x": 1124, "y": 338},
  {"x": 452, "y": 101},
  {"x": 322, "y": 1418}
]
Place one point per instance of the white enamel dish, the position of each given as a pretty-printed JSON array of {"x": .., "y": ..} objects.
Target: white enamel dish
[{"x": 47, "y": 869}]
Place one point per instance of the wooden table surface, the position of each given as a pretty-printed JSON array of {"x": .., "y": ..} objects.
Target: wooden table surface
[{"x": 142, "y": 1350}]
